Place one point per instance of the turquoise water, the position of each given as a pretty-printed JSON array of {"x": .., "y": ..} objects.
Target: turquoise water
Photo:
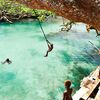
[{"x": 31, "y": 76}]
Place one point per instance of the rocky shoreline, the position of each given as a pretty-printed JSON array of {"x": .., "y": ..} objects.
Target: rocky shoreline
[{"x": 13, "y": 18}]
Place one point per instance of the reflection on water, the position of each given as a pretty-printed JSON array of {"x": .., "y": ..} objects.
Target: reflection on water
[{"x": 31, "y": 76}]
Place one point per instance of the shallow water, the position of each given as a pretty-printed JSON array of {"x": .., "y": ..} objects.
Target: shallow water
[{"x": 31, "y": 76}]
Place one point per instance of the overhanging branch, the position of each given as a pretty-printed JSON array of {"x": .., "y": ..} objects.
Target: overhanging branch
[{"x": 86, "y": 11}]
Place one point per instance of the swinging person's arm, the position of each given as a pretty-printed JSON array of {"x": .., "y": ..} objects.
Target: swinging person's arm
[{"x": 49, "y": 46}]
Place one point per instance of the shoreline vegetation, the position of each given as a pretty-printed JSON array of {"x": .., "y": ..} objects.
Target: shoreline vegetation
[{"x": 11, "y": 11}]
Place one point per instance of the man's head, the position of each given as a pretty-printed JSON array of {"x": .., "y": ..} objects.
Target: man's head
[{"x": 67, "y": 83}]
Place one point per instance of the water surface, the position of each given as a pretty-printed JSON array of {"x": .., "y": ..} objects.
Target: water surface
[{"x": 31, "y": 76}]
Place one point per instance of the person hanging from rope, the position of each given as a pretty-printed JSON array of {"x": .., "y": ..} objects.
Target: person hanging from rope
[
  {"x": 98, "y": 50},
  {"x": 50, "y": 47},
  {"x": 90, "y": 27},
  {"x": 49, "y": 44}
]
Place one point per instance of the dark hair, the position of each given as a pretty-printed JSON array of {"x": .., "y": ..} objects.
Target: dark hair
[{"x": 67, "y": 83}]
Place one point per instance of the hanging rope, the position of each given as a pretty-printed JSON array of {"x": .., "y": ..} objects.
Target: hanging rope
[
  {"x": 94, "y": 46},
  {"x": 98, "y": 50},
  {"x": 49, "y": 44}
]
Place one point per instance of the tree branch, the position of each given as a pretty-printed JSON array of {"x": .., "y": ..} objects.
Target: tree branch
[{"x": 86, "y": 11}]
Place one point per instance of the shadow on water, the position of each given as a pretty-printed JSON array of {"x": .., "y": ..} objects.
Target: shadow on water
[
  {"x": 6, "y": 77},
  {"x": 11, "y": 88},
  {"x": 79, "y": 70},
  {"x": 65, "y": 57}
]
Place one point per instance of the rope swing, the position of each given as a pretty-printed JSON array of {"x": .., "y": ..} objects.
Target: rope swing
[
  {"x": 49, "y": 44},
  {"x": 98, "y": 50}
]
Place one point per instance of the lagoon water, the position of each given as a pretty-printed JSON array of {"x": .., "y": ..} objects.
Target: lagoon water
[{"x": 31, "y": 76}]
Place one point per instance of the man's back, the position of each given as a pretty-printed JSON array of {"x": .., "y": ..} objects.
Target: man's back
[{"x": 67, "y": 94}]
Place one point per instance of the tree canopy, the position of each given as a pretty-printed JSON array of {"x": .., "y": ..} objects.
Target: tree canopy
[
  {"x": 86, "y": 11},
  {"x": 11, "y": 11}
]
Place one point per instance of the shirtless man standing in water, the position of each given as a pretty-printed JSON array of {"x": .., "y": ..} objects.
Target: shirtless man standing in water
[{"x": 67, "y": 93}]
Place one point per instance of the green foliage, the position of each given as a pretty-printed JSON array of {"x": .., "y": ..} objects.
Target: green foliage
[
  {"x": 42, "y": 14},
  {"x": 14, "y": 8}
]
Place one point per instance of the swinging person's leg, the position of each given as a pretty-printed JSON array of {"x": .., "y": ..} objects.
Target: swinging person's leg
[{"x": 46, "y": 54}]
